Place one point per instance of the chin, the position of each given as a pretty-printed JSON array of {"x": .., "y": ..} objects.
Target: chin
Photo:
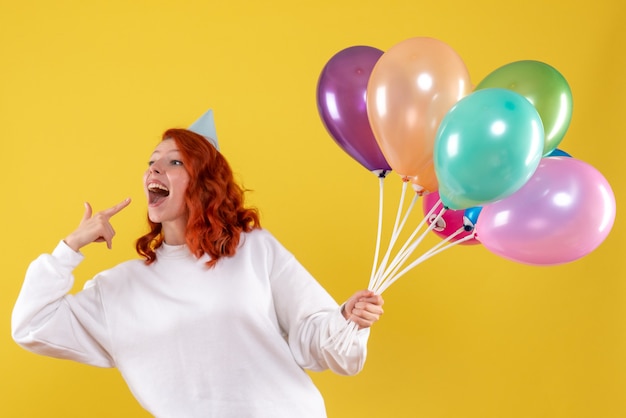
[{"x": 154, "y": 218}]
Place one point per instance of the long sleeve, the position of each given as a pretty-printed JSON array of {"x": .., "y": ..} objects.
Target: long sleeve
[
  {"x": 310, "y": 316},
  {"x": 49, "y": 321}
]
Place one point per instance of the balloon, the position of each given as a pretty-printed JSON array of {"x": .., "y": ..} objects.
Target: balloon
[
  {"x": 470, "y": 217},
  {"x": 341, "y": 92},
  {"x": 449, "y": 222},
  {"x": 557, "y": 153},
  {"x": 417, "y": 187},
  {"x": 487, "y": 147},
  {"x": 546, "y": 89},
  {"x": 411, "y": 88},
  {"x": 561, "y": 214}
]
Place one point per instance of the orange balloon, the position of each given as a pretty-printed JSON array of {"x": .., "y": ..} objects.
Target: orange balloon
[
  {"x": 426, "y": 181},
  {"x": 410, "y": 90}
]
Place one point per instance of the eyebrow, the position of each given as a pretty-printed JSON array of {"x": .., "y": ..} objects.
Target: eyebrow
[{"x": 168, "y": 152}]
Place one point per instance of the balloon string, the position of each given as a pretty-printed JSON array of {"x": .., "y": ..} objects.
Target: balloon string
[
  {"x": 343, "y": 337},
  {"x": 419, "y": 260},
  {"x": 397, "y": 229},
  {"x": 405, "y": 252},
  {"x": 424, "y": 256},
  {"x": 428, "y": 254},
  {"x": 411, "y": 243},
  {"x": 349, "y": 336},
  {"x": 337, "y": 339},
  {"x": 381, "y": 187}
]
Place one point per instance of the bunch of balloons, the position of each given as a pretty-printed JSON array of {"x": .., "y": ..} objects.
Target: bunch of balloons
[{"x": 488, "y": 150}]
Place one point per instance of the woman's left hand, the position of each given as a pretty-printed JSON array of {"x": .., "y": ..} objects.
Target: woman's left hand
[{"x": 364, "y": 308}]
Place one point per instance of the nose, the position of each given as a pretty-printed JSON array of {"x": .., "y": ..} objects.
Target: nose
[{"x": 155, "y": 168}]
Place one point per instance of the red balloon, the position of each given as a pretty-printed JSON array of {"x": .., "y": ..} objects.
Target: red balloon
[{"x": 449, "y": 222}]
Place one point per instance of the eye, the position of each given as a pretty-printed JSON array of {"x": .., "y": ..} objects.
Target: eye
[
  {"x": 150, "y": 163},
  {"x": 176, "y": 162}
]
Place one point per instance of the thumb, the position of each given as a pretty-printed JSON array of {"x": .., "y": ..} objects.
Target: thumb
[{"x": 88, "y": 211}]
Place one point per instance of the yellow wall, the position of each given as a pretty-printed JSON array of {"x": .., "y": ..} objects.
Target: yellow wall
[{"x": 86, "y": 88}]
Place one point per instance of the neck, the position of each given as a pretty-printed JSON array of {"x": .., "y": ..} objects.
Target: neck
[{"x": 174, "y": 232}]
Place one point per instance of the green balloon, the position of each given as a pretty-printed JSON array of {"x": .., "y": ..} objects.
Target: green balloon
[{"x": 545, "y": 88}]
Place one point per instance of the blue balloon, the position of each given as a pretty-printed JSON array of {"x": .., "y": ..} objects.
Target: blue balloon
[
  {"x": 557, "y": 153},
  {"x": 470, "y": 217}
]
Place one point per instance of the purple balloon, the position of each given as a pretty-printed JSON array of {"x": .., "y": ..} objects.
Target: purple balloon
[
  {"x": 341, "y": 92},
  {"x": 562, "y": 213}
]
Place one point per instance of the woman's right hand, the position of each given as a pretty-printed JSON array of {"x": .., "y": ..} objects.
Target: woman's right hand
[
  {"x": 364, "y": 308},
  {"x": 96, "y": 228}
]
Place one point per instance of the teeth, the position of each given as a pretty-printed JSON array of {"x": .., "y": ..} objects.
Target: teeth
[{"x": 155, "y": 186}]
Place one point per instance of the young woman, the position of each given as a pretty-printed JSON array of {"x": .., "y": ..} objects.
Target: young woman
[{"x": 217, "y": 320}]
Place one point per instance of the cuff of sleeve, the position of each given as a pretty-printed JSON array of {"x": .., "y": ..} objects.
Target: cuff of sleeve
[
  {"x": 66, "y": 257},
  {"x": 338, "y": 322}
]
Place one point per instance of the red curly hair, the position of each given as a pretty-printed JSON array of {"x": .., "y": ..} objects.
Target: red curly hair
[{"x": 215, "y": 203}]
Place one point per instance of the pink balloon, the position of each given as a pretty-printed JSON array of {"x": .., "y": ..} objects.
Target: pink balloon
[
  {"x": 450, "y": 221},
  {"x": 561, "y": 214}
]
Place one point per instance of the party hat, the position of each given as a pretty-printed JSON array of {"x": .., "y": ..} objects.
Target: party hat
[{"x": 205, "y": 126}]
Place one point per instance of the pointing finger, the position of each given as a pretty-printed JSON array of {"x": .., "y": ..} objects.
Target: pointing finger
[{"x": 117, "y": 208}]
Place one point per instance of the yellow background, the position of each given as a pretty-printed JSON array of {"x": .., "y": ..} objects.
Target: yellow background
[{"x": 87, "y": 87}]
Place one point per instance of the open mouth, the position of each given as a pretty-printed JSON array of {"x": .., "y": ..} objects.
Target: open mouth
[{"x": 157, "y": 192}]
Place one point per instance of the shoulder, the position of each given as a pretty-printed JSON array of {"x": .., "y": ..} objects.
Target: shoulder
[
  {"x": 257, "y": 236},
  {"x": 261, "y": 241},
  {"x": 127, "y": 266},
  {"x": 119, "y": 274}
]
